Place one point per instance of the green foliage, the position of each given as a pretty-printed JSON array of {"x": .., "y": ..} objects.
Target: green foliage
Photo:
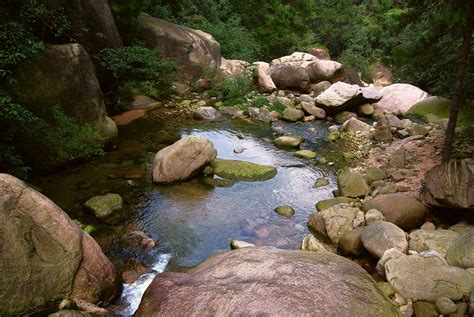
[
  {"x": 139, "y": 70},
  {"x": 126, "y": 14},
  {"x": 69, "y": 139},
  {"x": 260, "y": 101},
  {"x": 17, "y": 45},
  {"x": 278, "y": 107}
]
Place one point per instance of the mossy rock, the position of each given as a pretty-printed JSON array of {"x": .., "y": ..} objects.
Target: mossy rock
[
  {"x": 285, "y": 211},
  {"x": 107, "y": 207},
  {"x": 243, "y": 171},
  {"x": 320, "y": 182},
  {"x": 327, "y": 203},
  {"x": 438, "y": 106},
  {"x": 305, "y": 154},
  {"x": 218, "y": 182}
]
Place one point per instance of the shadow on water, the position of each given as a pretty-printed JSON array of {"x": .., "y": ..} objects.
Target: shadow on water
[{"x": 192, "y": 220}]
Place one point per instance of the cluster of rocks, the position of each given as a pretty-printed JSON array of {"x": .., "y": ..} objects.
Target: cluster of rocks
[{"x": 425, "y": 267}]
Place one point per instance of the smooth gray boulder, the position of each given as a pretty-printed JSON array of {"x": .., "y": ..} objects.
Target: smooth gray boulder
[
  {"x": 381, "y": 236},
  {"x": 195, "y": 50},
  {"x": 289, "y": 77},
  {"x": 207, "y": 113},
  {"x": 399, "y": 98},
  {"x": 352, "y": 184}
]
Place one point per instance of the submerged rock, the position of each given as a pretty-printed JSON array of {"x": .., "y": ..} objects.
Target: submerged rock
[
  {"x": 182, "y": 159},
  {"x": 288, "y": 141},
  {"x": 107, "y": 207},
  {"x": 243, "y": 171},
  {"x": 285, "y": 211},
  {"x": 305, "y": 154},
  {"x": 47, "y": 256},
  {"x": 267, "y": 281},
  {"x": 207, "y": 113}
]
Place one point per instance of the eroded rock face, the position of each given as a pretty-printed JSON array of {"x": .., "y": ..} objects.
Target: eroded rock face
[
  {"x": 194, "y": 49},
  {"x": 297, "y": 58},
  {"x": 264, "y": 81},
  {"x": 47, "y": 256},
  {"x": 234, "y": 67},
  {"x": 265, "y": 281},
  {"x": 400, "y": 97},
  {"x": 400, "y": 209},
  {"x": 450, "y": 185},
  {"x": 182, "y": 159}
]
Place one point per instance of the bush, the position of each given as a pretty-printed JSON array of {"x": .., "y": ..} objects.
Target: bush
[
  {"x": 71, "y": 140},
  {"x": 139, "y": 70},
  {"x": 260, "y": 102}
]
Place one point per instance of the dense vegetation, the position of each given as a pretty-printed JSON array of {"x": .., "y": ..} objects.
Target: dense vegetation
[{"x": 419, "y": 39}]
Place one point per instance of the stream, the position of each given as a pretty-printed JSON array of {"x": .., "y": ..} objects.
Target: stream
[{"x": 193, "y": 220}]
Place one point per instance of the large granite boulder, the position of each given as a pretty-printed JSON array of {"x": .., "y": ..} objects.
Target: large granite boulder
[
  {"x": 436, "y": 240},
  {"x": 342, "y": 96},
  {"x": 400, "y": 209},
  {"x": 195, "y": 50},
  {"x": 321, "y": 70},
  {"x": 400, "y": 98},
  {"x": 264, "y": 281},
  {"x": 63, "y": 75},
  {"x": 450, "y": 185},
  {"x": 45, "y": 257},
  {"x": 182, "y": 159},
  {"x": 289, "y": 77},
  {"x": 243, "y": 171},
  {"x": 96, "y": 17},
  {"x": 426, "y": 277},
  {"x": 461, "y": 251},
  {"x": 380, "y": 236}
]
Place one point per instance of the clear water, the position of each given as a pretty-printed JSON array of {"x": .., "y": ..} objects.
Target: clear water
[{"x": 191, "y": 220}]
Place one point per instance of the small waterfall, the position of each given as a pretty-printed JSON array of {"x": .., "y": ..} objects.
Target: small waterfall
[{"x": 132, "y": 293}]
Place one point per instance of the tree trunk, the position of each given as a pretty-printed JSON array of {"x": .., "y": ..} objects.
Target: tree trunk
[{"x": 458, "y": 85}]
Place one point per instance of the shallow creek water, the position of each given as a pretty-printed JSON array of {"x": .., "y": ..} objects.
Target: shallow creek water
[{"x": 192, "y": 220}]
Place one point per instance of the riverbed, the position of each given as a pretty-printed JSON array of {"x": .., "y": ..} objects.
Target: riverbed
[{"x": 193, "y": 220}]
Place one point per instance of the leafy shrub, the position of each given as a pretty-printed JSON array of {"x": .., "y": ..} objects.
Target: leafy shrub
[
  {"x": 126, "y": 14},
  {"x": 278, "y": 107},
  {"x": 235, "y": 88},
  {"x": 260, "y": 102},
  {"x": 71, "y": 140},
  {"x": 139, "y": 70}
]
